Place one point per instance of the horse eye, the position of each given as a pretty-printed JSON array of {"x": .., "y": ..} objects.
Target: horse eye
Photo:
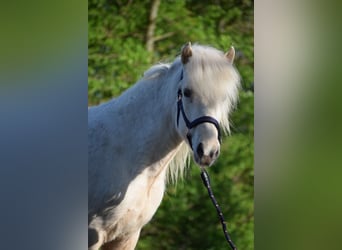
[{"x": 187, "y": 92}]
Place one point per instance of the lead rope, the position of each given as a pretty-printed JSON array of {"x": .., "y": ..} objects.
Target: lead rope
[{"x": 206, "y": 182}]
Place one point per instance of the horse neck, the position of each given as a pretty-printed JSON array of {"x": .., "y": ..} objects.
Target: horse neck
[
  {"x": 164, "y": 111},
  {"x": 155, "y": 110}
]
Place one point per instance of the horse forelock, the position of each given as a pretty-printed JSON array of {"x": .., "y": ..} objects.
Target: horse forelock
[{"x": 214, "y": 79}]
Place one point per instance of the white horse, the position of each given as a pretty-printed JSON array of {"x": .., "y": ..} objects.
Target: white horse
[{"x": 142, "y": 138}]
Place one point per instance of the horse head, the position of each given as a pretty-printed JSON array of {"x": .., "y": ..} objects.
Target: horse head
[{"x": 207, "y": 91}]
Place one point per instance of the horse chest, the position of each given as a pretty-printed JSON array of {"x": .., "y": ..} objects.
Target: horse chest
[{"x": 141, "y": 201}]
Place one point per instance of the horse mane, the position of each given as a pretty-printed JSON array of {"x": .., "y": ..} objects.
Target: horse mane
[
  {"x": 178, "y": 165},
  {"x": 156, "y": 71}
]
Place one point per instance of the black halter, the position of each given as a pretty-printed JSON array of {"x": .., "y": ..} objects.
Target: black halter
[{"x": 196, "y": 122}]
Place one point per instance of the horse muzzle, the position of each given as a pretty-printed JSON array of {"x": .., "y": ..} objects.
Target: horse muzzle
[{"x": 206, "y": 157}]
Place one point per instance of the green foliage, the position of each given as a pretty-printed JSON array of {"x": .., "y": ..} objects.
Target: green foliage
[
  {"x": 117, "y": 59},
  {"x": 117, "y": 53}
]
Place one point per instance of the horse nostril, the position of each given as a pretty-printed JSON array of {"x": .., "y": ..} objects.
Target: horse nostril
[
  {"x": 211, "y": 154},
  {"x": 214, "y": 153},
  {"x": 199, "y": 150}
]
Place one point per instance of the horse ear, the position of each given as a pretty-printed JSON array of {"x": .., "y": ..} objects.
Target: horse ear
[
  {"x": 186, "y": 52},
  {"x": 230, "y": 54}
]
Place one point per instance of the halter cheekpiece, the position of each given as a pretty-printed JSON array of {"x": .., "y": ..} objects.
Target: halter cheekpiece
[{"x": 191, "y": 124}]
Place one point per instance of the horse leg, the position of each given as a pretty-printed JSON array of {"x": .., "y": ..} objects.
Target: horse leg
[{"x": 122, "y": 244}]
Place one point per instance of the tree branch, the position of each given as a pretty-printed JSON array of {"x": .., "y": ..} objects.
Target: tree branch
[
  {"x": 152, "y": 25},
  {"x": 161, "y": 37}
]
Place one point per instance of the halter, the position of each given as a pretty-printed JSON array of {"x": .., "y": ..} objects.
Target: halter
[{"x": 196, "y": 122}]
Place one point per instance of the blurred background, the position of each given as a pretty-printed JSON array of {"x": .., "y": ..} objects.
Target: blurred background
[{"x": 128, "y": 37}]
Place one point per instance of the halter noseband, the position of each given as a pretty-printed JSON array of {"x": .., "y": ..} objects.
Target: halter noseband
[{"x": 196, "y": 122}]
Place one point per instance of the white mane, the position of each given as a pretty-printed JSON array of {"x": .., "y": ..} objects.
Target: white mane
[
  {"x": 156, "y": 70},
  {"x": 178, "y": 165}
]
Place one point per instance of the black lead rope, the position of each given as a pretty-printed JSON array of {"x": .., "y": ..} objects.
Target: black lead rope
[{"x": 206, "y": 182}]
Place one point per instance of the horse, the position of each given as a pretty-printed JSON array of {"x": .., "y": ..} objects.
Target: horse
[{"x": 141, "y": 140}]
